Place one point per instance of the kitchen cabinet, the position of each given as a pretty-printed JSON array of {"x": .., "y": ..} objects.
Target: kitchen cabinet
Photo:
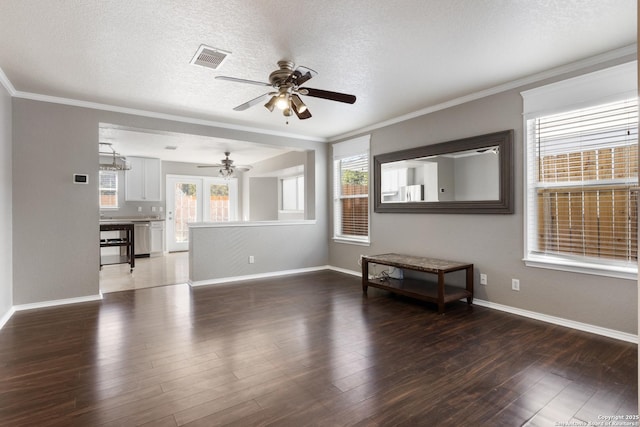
[
  {"x": 157, "y": 238},
  {"x": 143, "y": 181}
]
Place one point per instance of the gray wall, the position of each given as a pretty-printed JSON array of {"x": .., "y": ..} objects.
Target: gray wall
[
  {"x": 263, "y": 199},
  {"x": 275, "y": 248},
  {"x": 494, "y": 243},
  {"x": 55, "y": 250},
  {"x": 6, "y": 223},
  {"x": 55, "y": 222}
]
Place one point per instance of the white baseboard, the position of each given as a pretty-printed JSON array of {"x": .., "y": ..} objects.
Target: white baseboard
[
  {"x": 611, "y": 333},
  {"x": 4, "y": 319},
  {"x": 255, "y": 276},
  {"x": 43, "y": 304},
  {"x": 344, "y": 270}
]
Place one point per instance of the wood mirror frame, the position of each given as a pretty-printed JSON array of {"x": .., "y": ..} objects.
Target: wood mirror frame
[{"x": 502, "y": 205}]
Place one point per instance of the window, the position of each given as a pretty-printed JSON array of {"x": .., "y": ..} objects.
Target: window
[
  {"x": 108, "y": 188},
  {"x": 292, "y": 190},
  {"x": 351, "y": 190},
  {"x": 582, "y": 176}
]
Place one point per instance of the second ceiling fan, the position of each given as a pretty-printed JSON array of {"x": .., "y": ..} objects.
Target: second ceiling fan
[{"x": 287, "y": 81}]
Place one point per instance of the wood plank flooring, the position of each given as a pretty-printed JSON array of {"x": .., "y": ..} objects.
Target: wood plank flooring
[{"x": 302, "y": 350}]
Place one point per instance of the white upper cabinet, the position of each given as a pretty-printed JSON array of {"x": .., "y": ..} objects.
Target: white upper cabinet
[{"x": 143, "y": 180}]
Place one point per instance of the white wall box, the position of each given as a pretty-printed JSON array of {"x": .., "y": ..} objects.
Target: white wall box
[{"x": 143, "y": 180}]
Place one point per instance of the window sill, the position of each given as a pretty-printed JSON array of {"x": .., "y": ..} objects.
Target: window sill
[
  {"x": 620, "y": 272},
  {"x": 291, "y": 211},
  {"x": 351, "y": 241}
]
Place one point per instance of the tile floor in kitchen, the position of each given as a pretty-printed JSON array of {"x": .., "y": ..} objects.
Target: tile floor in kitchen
[{"x": 169, "y": 269}]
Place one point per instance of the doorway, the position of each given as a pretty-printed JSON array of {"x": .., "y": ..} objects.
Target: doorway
[{"x": 197, "y": 199}]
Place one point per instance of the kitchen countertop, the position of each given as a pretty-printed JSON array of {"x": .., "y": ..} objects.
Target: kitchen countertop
[{"x": 120, "y": 219}]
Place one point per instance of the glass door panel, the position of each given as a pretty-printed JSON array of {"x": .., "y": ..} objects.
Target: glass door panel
[
  {"x": 218, "y": 202},
  {"x": 222, "y": 200},
  {"x": 183, "y": 207}
]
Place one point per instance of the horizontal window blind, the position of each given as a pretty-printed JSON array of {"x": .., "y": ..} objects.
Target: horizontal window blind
[
  {"x": 351, "y": 191},
  {"x": 582, "y": 180}
]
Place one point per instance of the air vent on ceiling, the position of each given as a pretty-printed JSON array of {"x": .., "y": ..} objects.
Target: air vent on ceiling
[{"x": 209, "y": 57}]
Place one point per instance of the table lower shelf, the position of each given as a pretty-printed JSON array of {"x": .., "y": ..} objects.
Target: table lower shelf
[
  {"x": 419, "y": 289},
  {"x": 114, "y": 259}
]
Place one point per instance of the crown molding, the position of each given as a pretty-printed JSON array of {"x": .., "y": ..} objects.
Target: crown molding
[
  {"x": 554, "y": 72},
  {"x": 156, "y": 115},
  {"x": 6, "y": 83}
]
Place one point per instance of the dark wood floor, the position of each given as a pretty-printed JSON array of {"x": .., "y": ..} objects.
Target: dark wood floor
[{"x": 302, "y": 350}]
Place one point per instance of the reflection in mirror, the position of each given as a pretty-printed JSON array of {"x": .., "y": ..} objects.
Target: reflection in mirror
[
  {"x": 470, "y": 175},
  {"x": 463, "y": 175}
]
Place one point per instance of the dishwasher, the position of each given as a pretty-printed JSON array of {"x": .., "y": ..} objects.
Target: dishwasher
[{"x": 142, "y": 238}]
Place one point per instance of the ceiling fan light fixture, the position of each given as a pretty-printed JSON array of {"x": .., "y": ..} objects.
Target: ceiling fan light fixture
[
  {"x": 297, "y": 102},
  {"x": 270, "y": 105},
  {"x": 283, "y": 102},
  {"x": 287, "y": 112},
  {"x": 226, "y": 172}
]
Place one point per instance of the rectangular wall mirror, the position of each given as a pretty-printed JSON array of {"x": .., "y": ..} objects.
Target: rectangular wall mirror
[{"x": 471, "y": 175}]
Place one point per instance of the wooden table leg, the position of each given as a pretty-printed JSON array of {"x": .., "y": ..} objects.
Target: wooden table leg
[
  {"x": 365, "y": 275},
  {"x": 440, "y": 292},
  {"x": 470, "y": 284}
]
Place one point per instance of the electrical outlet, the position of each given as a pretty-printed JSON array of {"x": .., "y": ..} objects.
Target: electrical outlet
[
  {"x": 153, "y": 208},
  {"x": 483, "y": 279},
  {"x": 515, "y": 284},
  {"x": 251, "y": 259},
  {"x": 139, "y": 208}
]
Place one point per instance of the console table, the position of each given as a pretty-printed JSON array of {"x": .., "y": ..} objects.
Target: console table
[{"x": 439, "y": 292}]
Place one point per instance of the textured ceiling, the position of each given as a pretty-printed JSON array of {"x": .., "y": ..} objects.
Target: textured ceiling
[{"x": 396, "y": 56}]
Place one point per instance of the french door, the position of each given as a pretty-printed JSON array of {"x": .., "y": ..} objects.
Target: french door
[{"x": 197, "y": 199}]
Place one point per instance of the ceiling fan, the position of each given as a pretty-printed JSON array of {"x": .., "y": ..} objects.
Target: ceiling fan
[
  {"x": 287, "y": 81},
  {"x": 227, "y": 168}
]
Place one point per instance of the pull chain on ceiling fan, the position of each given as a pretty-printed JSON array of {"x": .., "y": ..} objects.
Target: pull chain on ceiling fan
[{"x": 287, "y": 81}]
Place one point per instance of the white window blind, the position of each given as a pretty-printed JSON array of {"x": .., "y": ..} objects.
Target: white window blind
[
  {"x": 351, "y": 190},
  {"x": 581, "y": 151},
  {"x": 108, "y": 188},
  {"x": 582, "y": 177}
]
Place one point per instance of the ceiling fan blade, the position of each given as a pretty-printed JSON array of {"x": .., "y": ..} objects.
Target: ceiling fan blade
[
  {"x": 301, "y": 115},
  {"x": 237, "y": 80},
  {"x": 325, "y": 94},
  {"x": 300, "y": 75},
  {"x": 209, "y": 166},
  {"x": 254, "y": 101}
]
